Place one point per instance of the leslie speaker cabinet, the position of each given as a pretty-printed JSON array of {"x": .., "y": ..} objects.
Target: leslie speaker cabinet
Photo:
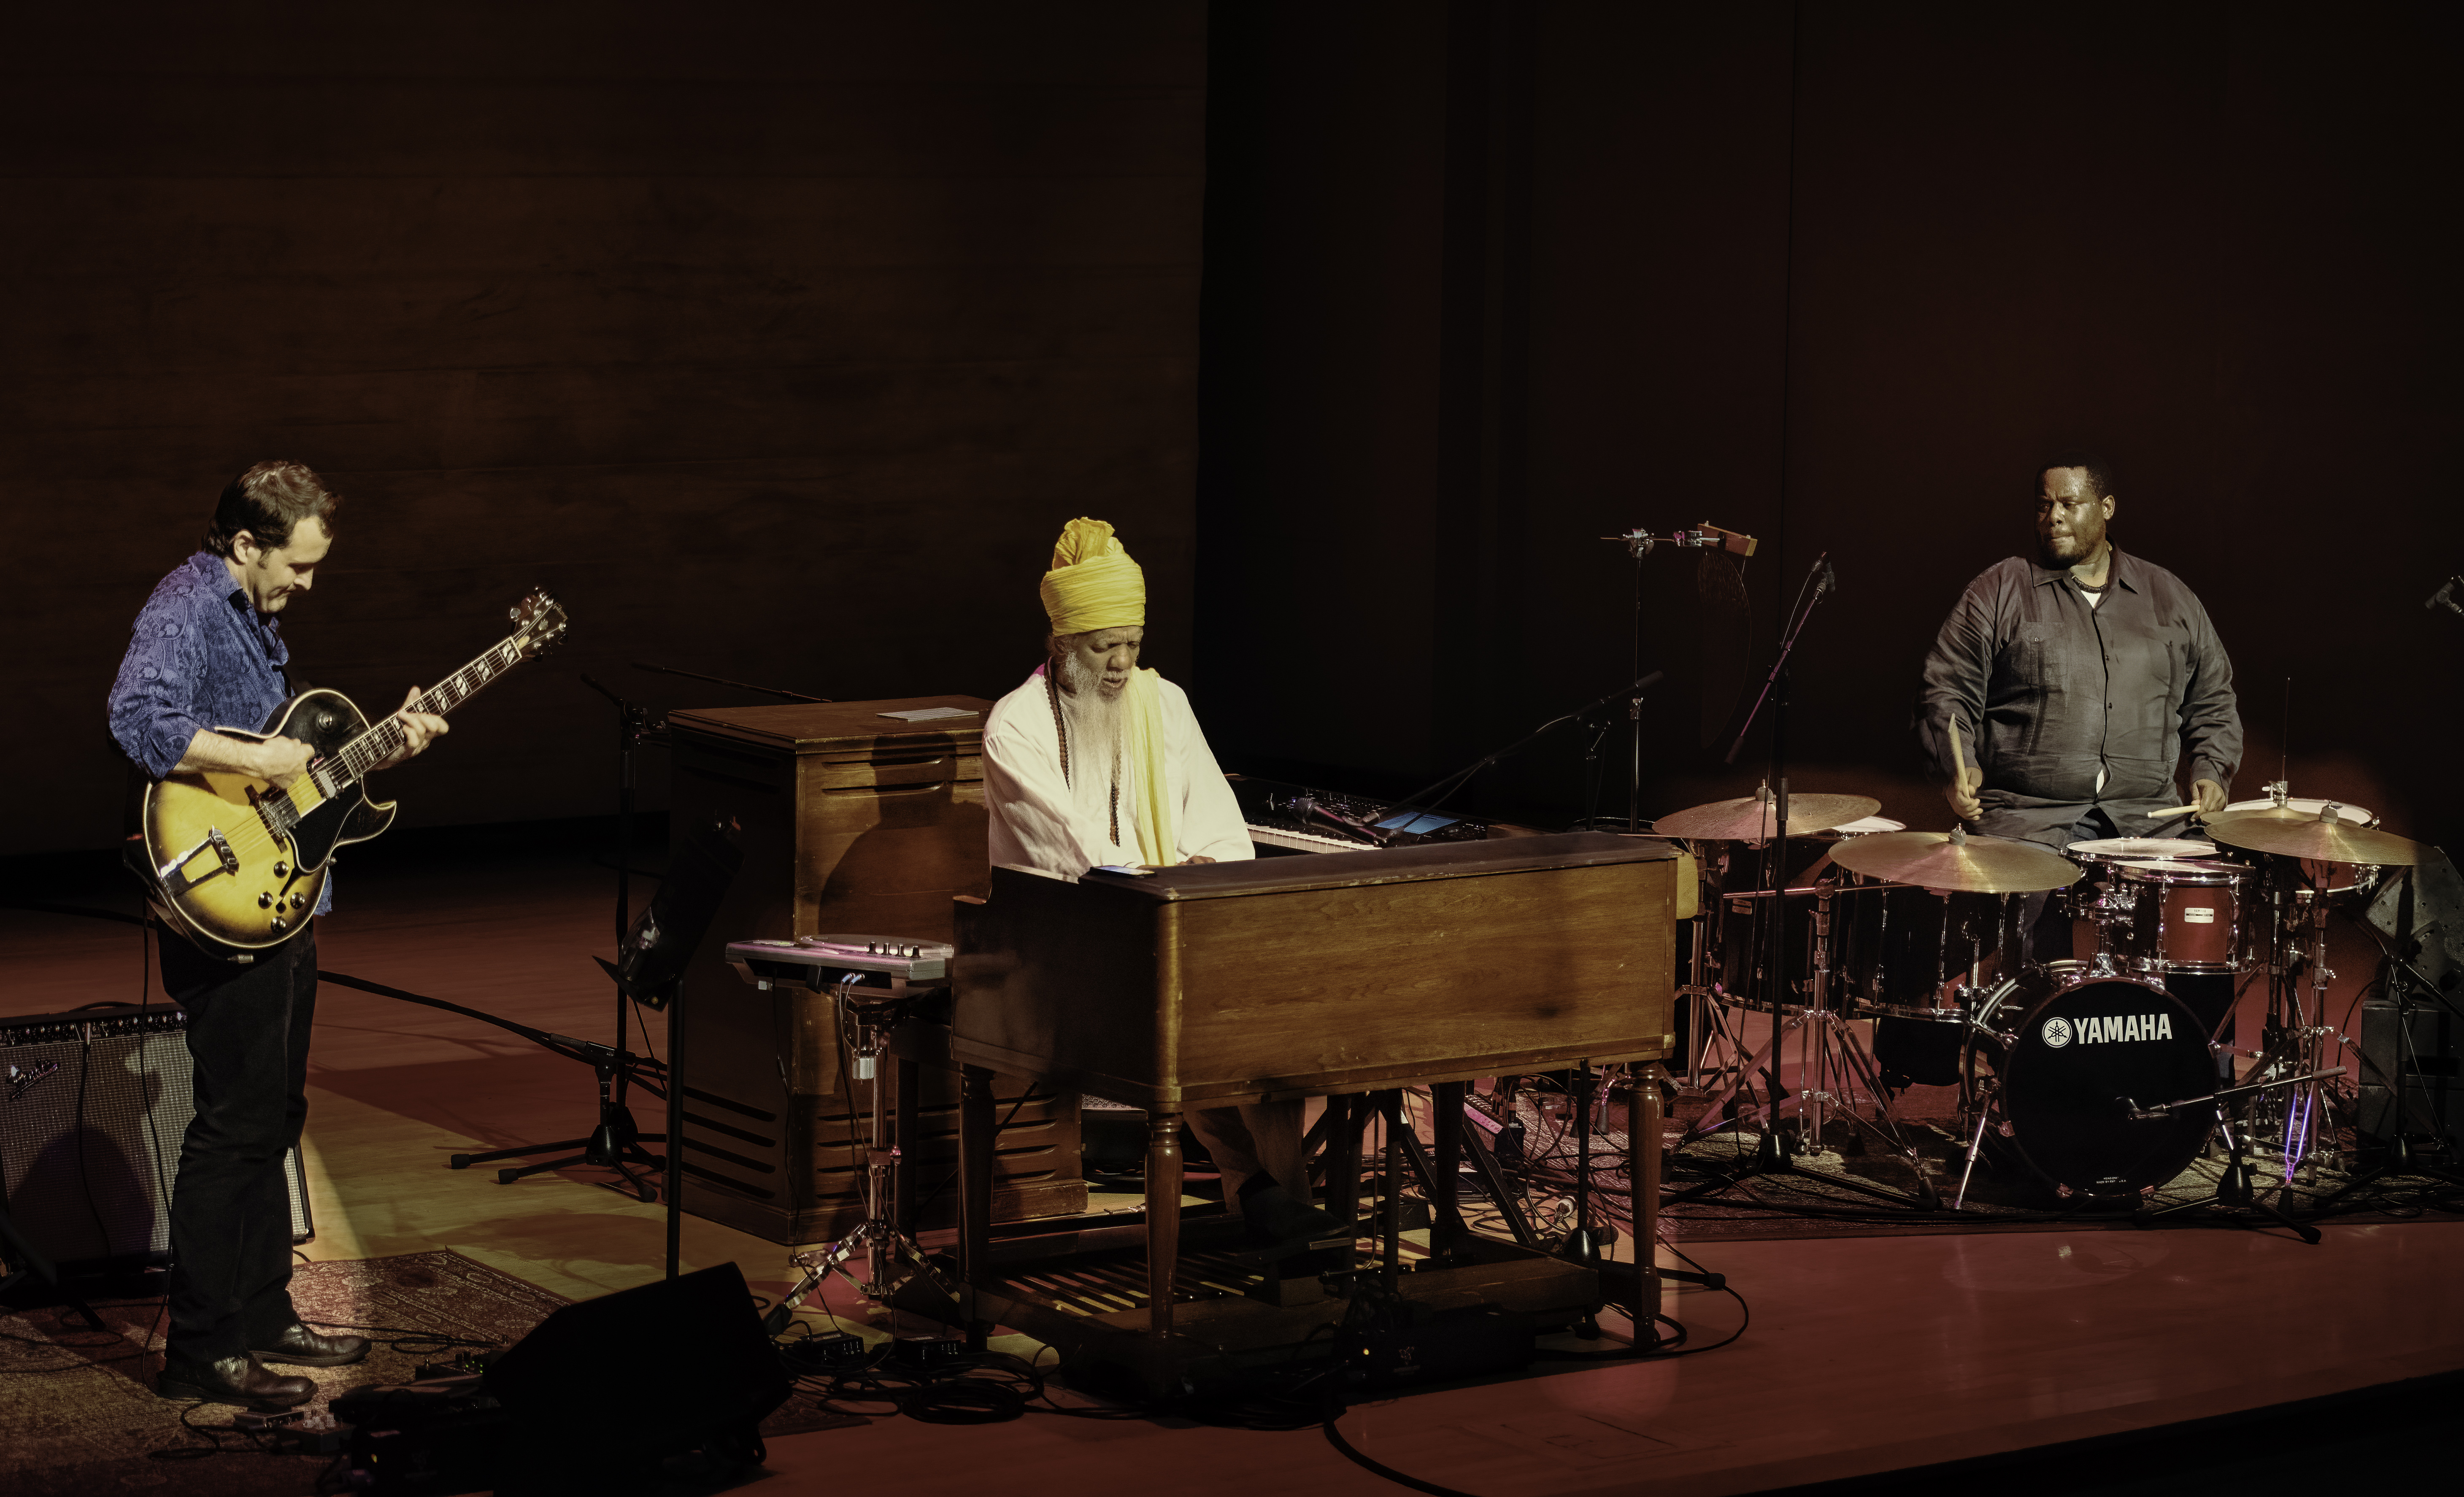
[{"x": 851, "y": 823}]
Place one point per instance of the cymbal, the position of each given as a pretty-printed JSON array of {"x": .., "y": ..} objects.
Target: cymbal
[
  {"x": 1968, "y": 865},
  {"x": 1752, "y": 817},
  {"x": 2295, "y": 834}
]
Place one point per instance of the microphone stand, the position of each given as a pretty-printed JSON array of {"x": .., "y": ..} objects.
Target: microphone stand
[
  {"x": 1450, "y": 784},
  {"x": 616, "y": 1142},
  {"x": 1638, "y": 543},
  {"x": 1771, "y": 1157}
]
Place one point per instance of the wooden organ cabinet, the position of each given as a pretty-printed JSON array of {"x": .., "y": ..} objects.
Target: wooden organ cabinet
[{"x": 858, "y": 823}]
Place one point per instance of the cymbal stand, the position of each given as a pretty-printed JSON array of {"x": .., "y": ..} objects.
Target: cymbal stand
[
  {"x": 1835, "y": 1062},
  {"x": 877, "y": 1238},
  {"x": 2298, "y": 1036}
]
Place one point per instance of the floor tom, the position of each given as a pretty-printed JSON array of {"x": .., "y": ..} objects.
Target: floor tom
[{"x": 1907, "y": 952}]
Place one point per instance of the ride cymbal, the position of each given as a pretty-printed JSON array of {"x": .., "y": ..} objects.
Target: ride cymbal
[
  {"x": 1958, "y": 861},
  {"x": 1754, "y": 818},
  {"x": 2323, "y": 838}
]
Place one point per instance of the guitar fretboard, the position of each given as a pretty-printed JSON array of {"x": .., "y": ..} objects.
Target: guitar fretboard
[{"x": 387, "y": 736}]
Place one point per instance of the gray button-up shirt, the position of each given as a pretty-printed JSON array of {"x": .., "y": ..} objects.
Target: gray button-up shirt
[{"x": 2049, "y": 692}]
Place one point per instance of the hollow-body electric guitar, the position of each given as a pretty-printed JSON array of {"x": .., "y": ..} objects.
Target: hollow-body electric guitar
[{"x": 236, "y": 863}]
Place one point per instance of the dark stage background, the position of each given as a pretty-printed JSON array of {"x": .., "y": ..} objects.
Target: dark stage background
[
  {"x": 779, "y": 339},
  {"x": 1489, "y": 281},
  {"x": 776, "y": 339}
]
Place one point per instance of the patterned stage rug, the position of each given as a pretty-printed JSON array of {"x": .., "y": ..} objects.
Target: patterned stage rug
[
  {"x": 80, "y": 1414},
  {"x": 2002, "y": 1196}
]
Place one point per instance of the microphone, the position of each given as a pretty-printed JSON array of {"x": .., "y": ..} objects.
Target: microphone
[
  {"x": 1304, "y": 808},
  {"x": 1705, "y": 537},
  {"x": 2446, "y": 596}
]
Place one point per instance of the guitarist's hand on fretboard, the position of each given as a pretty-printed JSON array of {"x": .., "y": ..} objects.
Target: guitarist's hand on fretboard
[{"x": 414, "y": 730}]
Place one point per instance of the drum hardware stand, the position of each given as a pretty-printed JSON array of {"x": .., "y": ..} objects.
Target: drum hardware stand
[
  {"x": 877, "y": 1236},
  {"x": 1706, "y": 1018}
]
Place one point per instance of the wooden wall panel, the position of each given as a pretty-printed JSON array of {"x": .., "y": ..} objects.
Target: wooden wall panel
[{"x": 778, "y": 339}]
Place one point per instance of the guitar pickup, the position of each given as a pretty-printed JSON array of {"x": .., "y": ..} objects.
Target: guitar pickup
[{"x": 174, "y": 874}]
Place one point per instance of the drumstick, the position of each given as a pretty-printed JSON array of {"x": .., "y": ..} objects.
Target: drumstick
[
  {"x": 2170, "y": 811},
  {"x": 1958, "y": 762}
]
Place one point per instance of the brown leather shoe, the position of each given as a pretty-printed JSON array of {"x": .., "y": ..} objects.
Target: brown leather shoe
[
  {"x": 232, "y": 1380},
  {"x": 307, "y": 1347}
]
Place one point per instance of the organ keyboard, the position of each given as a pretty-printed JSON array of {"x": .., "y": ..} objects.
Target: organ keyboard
[{"x": 1284, "y": 818}]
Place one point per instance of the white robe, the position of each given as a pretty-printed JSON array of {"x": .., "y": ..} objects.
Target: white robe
[{"x": 1035, "y": 821}]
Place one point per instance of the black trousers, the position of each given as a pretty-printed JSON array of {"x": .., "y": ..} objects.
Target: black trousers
[{"x": 231, "y": 1206}]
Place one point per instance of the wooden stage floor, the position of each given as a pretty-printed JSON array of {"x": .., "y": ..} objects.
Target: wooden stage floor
[{"x": 1864, "y": 1354}]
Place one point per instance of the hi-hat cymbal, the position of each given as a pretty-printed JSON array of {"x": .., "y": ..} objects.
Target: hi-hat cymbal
[
  {"x": 1752, "y": 817},
  {"x": 2301, "y": 834},
  {"x": 1966, "y": 864}
]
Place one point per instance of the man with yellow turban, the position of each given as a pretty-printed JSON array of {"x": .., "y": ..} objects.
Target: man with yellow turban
[{"x": 1095, "y": 762}]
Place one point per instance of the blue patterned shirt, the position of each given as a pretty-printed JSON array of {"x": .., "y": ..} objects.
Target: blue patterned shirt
[{"x": 200, "y": 657}]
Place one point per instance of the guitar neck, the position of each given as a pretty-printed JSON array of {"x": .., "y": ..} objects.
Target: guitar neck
[{"x": 387, "y": 736}]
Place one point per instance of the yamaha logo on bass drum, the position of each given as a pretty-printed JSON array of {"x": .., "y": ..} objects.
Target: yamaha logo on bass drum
[{"x": 2057, "y": 1032}]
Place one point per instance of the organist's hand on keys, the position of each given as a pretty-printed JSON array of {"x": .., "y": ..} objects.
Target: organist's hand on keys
[{"x": 1196, "y": 860}]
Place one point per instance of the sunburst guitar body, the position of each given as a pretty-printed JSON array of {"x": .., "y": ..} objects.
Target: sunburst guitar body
[{"x": 236, "y": 864}]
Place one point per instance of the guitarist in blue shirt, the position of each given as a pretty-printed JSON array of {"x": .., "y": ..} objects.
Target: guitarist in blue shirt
[{"x": 207, "y": 649}]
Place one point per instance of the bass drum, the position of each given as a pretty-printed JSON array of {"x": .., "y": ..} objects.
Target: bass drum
[{"x": 2071, "y": 1051}]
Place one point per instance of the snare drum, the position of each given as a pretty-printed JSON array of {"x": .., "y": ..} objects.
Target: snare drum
[{"x": 2187, "y": 915}]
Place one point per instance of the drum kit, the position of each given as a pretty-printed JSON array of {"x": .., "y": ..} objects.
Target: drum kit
[{"x": 2099, "y": 1074}]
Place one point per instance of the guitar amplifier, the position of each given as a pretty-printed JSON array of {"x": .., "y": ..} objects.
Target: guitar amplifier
[{"x": 92, "y": 1107}]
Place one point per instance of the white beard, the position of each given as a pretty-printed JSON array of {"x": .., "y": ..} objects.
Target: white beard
[{"x": 1094, "y": 723}]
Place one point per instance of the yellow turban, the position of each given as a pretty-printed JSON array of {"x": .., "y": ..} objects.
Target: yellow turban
[{"x": 1093, "y": 585}]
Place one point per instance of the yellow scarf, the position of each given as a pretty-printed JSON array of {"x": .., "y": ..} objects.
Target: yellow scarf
[{"x": 1142, "y": 745}]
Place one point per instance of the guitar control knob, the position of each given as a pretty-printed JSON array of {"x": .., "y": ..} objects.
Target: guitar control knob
[
  {"x": 282, "y": 870},
  {"x": 299, "y": 901},
  {"x": 280, "y": 924},
  {"x": 265, "y": 901}
]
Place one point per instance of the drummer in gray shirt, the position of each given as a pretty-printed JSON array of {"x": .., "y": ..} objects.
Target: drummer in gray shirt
[{"x": 2080, "y": 680}]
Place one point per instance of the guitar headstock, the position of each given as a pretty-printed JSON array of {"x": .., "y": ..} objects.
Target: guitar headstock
[{"x": 539, "y": 622}]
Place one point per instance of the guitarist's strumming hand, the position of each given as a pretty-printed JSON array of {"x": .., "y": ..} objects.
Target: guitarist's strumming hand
[
  {"x": 417, "y": 728},
  {"x": 279, "y": 759}
]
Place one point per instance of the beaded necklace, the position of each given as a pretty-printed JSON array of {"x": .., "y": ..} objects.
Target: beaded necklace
[{"x": 1060, "y": 730}]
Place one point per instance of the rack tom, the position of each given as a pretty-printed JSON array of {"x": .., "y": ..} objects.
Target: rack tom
[
  {"x": 2188, "y": 915},
  {"x": 2098, "y": 901}
]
